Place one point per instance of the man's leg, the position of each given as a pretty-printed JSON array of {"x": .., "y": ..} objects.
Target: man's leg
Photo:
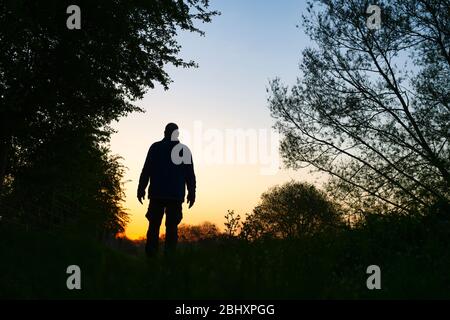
[
  {"x": 173, "y": 218},
  {"x": 154, "y": 215}
]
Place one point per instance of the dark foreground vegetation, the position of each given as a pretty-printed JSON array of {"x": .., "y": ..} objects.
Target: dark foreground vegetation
[{"x": 413, "y": 255}]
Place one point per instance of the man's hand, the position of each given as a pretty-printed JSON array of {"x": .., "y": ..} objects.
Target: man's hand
[
  {"x": 141, "y": 195},
  {"x": 190, "y": 200}
]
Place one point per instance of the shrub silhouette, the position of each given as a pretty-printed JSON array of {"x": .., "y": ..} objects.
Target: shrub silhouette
[
  {"x": 291, "y": 210},
  {"x": 194, "y": 233},
  {"x": 232, "y": 223}
]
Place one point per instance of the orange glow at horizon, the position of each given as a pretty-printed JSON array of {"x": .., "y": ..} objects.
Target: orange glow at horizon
[{"x": 218, "y": 190}]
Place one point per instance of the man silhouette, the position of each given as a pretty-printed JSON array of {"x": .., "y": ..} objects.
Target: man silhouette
[{"x": 169, "y": 168}]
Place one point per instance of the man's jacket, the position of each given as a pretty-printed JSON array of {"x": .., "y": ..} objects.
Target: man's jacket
[{"x": 167, "y": 179}]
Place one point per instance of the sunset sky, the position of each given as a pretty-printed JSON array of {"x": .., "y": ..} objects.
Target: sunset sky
[{"x": 249, "y": 44}]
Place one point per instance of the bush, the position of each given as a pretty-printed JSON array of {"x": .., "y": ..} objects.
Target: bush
[{"x": 292, "y": 210}]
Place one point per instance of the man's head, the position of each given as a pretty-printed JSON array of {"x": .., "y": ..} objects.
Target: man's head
[{"x": 169, "y": 131}]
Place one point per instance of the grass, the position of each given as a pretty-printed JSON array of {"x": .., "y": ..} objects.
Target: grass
[{"x": 414, "y": 262}]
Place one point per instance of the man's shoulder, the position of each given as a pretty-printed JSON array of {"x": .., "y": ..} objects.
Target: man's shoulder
[
  {"x": 163, "y": 144},
  {"x": 156, "y": 144}
]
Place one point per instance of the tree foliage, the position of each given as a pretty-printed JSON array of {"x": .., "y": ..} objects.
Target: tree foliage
[
  {"x": 60, "y": 89},
  {"x": 232, "y": 223},
  {"x": 195, "y": 233},
  {"x": 372, "y": 106},
  {"x": 72, "y": 182},
  {"x": 52, "y": 77},
  {"x": 291, "y": 210}
]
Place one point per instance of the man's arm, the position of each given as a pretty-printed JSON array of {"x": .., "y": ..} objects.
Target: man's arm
[
  {"x": 144, "y": 177},
  {"x": 191, "y": 183}
]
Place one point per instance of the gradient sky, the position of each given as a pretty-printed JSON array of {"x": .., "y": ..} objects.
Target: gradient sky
[{"x": 250, "y": 43}]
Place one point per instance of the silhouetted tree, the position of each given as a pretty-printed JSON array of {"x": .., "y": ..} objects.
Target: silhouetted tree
[
  {"x": 194, "y": 233},
  {"x": 52, "y": 77},
  {"x": 72, "y": 181},
  {"x": 291, "y": 210},
  {"x": 372, "y": 106},
  {"x": 232, "y": 223},
  {"x": 209, "y": 230}
]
